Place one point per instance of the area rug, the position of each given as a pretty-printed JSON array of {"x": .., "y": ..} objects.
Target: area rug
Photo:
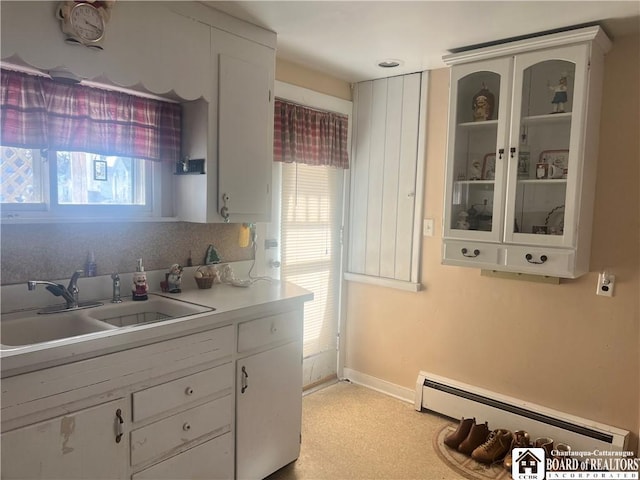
[{"x": 463, "y": 465}]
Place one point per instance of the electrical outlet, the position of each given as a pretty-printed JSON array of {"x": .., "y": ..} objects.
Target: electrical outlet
[
  {"x": 427, "y": 227},
  {"x": 606, "y": 282}
]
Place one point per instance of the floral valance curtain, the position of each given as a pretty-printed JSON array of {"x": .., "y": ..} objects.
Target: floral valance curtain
[
  {"x": 37, "y": 112},
  {"x": 312, "y": 137}
]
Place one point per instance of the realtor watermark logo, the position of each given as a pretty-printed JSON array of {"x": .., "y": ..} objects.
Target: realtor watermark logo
[
  {"x": 535, "y": 464},
  {"x": 528, "y": 464}
]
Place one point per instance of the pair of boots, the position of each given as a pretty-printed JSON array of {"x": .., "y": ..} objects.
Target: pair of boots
[
  {"x": 468, "y": 436},
  {"x": 476, "y": 440}
]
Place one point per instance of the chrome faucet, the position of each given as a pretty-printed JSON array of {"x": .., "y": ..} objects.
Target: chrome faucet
[
  {"x": 116, "y": 288},
  {"x": 69, "y": 293}
]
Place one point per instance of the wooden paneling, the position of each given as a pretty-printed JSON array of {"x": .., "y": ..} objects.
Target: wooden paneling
[{"x": 384, "y": 177}]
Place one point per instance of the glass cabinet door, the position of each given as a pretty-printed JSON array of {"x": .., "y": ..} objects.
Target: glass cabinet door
[
  {"x": 545, "y": 149},
  {"x": 477, "y": 137}
]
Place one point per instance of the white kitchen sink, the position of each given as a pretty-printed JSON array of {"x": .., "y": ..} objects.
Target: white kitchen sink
[
  {"x": 156, "y": 309},
  {"x": 27, "y": 328},
  {"x": 30, "y": 327}
]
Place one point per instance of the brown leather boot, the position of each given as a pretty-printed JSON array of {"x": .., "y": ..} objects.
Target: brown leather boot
[
  {"x": 546, "y": 443},
  {"x": 564, "y": 450},
  {"x": 495, "y": 448},
  {"x": 520, "y": 440},
  {"x": 454, "y": 439},
  {"x": 477, "y": 436}
]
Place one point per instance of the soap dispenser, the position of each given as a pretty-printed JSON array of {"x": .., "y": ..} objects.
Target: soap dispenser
[{"x": 139, "y": 287}]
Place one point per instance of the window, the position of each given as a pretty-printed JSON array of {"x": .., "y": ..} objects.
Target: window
[
  {"x": 311, "y": 251},
  {"x": 88, "y": 179},
  {"x": 75, "y": 150},
  {"x": 21, "y": 176},
  {"x": 75, "y": 179}
]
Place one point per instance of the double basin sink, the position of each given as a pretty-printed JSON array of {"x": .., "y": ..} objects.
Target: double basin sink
[{"x": 29, "y": 327}]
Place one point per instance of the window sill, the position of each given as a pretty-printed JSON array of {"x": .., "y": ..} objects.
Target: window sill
[
  {"x": 21, "y": 219},
  {"x": 383, "y": 282}
]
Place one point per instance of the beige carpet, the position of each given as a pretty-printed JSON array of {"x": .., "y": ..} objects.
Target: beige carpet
[{"x": 352, "y": 432}]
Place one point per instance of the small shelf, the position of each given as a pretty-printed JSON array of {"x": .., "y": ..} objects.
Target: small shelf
[
  {"x": 475, "y": 182},
  {"x": 548, "y": 118},
  {"x": 194, "y": 166},
  {"x": 479, "y": 125},
  {"x": 544, "y": 181}
]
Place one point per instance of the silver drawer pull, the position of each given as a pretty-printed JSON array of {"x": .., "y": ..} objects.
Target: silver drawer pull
[
  {"x": 186, "y": 427},
  {"x": 274, "y": 329},
  {"x": 188, "y": 391}
]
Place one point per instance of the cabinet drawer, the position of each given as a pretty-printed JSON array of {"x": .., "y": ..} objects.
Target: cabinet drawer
[
  {"x": 160, "y": 437},
  {"x": 557, "y": 263},
  {"x": 158, "y": 399},
  {"x": 268, "y": 330},
  {"x": 210, "y": 461},
  {"x": 471, "y": 252}
]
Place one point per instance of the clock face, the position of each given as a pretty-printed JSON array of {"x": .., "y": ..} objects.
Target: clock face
[{"x": 87, "y": 22}]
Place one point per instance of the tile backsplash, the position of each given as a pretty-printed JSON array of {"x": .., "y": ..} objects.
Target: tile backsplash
[{"x": 54, "y": 251}]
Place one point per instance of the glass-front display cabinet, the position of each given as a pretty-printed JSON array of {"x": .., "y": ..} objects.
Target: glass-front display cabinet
[{"x": 521, "y": 159}]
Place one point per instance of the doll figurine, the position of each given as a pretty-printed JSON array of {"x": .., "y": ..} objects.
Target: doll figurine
[
  {"x": 559, "y": 94},
  {"x": 174, "y": 278},
  {"x": 462, "y": 223}
]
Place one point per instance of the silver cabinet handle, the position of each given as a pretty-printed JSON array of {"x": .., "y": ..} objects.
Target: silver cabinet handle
[
  {"x": 188, "y": 391},
  {"x": 186, "y": 427}
]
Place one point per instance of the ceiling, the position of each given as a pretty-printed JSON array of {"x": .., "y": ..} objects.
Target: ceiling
[{"x": 347, "y": 39}]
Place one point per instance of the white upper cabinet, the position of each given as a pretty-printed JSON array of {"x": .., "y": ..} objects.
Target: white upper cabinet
[
  {"x": 245, "y": 129},
  {"x": 234, "y": 133},
  {"x": 522, "y": 153}
]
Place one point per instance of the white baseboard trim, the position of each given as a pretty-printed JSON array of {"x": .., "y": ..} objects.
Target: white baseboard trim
[{"x": 379, "y": 385}]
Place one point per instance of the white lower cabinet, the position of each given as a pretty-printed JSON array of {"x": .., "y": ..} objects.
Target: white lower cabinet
[
  {"x": 80, "y": 445},
  {"x": 268, "y": 395},
  {"x": 174, "y": 411}
]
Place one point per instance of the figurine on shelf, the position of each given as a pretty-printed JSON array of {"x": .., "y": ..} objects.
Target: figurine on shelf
[
  {"x": 174, "y": 278},
  {"x": 482, "y": 105},
  {"x": 559, "y": 94},
  {"x": 462, "y": 223},
  {"x": 476, "y": 171}
]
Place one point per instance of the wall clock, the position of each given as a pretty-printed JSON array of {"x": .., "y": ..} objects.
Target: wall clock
[{"x": 83, "y": 22}]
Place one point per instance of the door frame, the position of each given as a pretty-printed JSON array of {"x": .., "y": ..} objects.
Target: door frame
[{"x": 264, "y": 256}]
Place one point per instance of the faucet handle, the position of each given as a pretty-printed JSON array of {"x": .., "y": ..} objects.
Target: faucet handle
[{"x": 73, "y": 287}]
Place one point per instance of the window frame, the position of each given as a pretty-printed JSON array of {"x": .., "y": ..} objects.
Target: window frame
[{"x": 157, "y": 176}]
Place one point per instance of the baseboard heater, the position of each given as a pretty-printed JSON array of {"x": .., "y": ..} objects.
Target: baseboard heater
[{"x": 456, "y": 400}]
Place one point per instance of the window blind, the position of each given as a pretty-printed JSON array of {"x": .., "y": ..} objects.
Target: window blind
[{"x": 310, "y": 228}]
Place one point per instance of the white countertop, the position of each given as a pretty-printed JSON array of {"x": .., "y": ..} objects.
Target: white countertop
[{"x": 262, "y": 298}]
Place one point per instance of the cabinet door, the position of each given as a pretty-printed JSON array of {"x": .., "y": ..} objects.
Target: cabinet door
[
  {"x": 80, "y": 445},
  {"x": 245, "y": 129},
  {"x": 548, "y": 131},
  {"x": 477, "y": 150},
  {"x": 269, "y": 411}
]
